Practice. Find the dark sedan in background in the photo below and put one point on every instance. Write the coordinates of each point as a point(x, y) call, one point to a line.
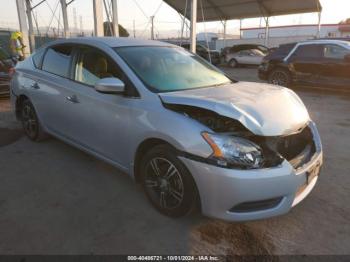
point(317, 62)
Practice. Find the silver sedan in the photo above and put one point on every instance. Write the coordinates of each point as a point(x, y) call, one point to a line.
point(185, 131)
point(245, 57)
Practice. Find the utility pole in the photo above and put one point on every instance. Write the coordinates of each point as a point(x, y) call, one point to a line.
point(81, 25)
point(30, 26)
point(75, 20)
point(133, 26)
point(267, 31)
point(21, 11)
point(240, 28)
point(115, 18)
point(152, 27)
point(65, 18)
point(193, 33)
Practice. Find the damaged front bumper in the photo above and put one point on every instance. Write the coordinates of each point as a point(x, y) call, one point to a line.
point(241, 195)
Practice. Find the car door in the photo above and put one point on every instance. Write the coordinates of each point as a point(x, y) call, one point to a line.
point(243, 57)
point(335, 68)
point(306, 63)
point(47, 86)
point(96, 121)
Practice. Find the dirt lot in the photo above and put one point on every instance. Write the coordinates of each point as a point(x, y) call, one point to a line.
point(55, 199)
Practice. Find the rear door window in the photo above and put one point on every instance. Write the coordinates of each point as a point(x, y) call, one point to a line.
point(335, 52)
point(57, 60)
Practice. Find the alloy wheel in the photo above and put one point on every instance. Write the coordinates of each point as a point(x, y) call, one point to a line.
point(163, 183)
point(279, 78)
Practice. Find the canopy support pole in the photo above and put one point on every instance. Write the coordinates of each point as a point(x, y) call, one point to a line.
point(152, 27)
point(225, 28)
point(267, 31)
point(98, 17)
point(319, 25)
point(65, 18)
point(21, 11)
point(240, 28)
point(193, 33)
point(30, 26)
point(115, 18)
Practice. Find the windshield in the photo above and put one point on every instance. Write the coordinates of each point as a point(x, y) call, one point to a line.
point(166, 69)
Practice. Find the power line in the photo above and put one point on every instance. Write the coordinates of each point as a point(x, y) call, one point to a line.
point(139, 7)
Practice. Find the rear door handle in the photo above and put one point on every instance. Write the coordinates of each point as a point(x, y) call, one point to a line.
point(35, 85)
point(72, 98)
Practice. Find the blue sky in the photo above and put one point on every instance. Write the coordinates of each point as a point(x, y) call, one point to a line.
point(166, 18)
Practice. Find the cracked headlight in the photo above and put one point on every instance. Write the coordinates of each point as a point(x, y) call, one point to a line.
point(234, 151)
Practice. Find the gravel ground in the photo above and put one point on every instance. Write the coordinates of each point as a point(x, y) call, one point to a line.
point(55, 199)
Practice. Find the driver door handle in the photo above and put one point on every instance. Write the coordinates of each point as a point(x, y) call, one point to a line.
point(72, 98)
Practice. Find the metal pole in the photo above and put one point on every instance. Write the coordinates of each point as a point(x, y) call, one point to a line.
point(240, 28)
point(65, 18)
point(267, 29)
point(193, 33)
point(319, 25)
point(133, 26)
point(152, 27)
point(98, 17)
point(23, 24)
point(225, 25)
point(30, 26)
point(115, 18)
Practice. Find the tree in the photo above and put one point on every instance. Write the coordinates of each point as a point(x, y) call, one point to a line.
point(345, 22)
point(107, 26)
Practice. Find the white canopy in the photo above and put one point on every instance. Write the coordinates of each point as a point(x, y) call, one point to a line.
point(216, 10)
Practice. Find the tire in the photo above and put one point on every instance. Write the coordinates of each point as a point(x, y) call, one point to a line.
point(167, 183)
point(233, 63)
point(30, 122)
point(280, 76)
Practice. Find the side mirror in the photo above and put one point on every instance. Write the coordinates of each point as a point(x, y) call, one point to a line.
point(110, 85)
point(347, 58)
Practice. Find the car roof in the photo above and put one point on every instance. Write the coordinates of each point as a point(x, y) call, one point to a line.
point(110, 41)
point(322, 41)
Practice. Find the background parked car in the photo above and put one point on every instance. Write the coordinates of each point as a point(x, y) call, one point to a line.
point(245, 57)
point(7, 65)
point(322, 62)
point(237, 48)
point(204, 52)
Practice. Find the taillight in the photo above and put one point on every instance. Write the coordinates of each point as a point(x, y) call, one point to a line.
point(12, 71)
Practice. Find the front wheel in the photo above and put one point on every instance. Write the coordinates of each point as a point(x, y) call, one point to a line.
point(280, 77)
point(233, 63)
point(167, 183)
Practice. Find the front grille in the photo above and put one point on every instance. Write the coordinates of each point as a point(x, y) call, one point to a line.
point(256, 205)
point(298, 148)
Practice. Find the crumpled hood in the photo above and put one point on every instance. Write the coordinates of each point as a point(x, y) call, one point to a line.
point(264, 109)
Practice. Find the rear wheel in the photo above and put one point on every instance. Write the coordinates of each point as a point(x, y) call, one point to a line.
point(30, 122)
point(233, 63)
point(280, 77)
point(167, 183)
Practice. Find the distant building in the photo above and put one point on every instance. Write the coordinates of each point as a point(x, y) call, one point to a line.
point(327, 30)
